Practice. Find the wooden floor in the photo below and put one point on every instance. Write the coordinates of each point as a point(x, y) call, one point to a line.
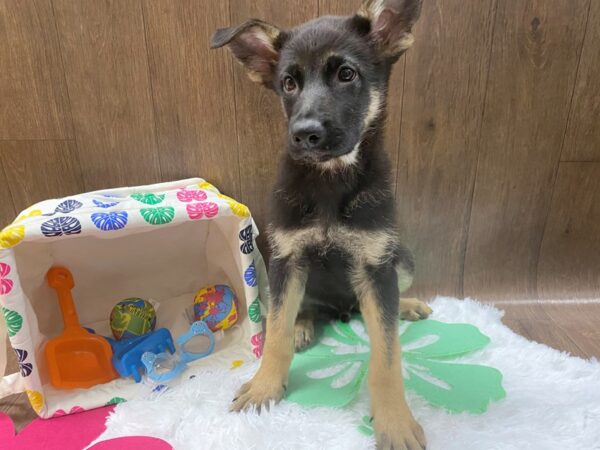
point(571, 327)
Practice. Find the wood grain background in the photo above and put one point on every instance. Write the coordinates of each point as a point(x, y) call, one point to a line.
point(493, 127)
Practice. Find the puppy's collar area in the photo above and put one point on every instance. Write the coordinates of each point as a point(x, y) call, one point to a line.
point(341, 162)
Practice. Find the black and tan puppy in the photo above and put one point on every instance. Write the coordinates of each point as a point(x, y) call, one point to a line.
point(333, 231)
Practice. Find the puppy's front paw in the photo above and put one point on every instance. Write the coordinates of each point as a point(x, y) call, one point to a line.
point(258, 392)
point(398, 430)
point(414, 309)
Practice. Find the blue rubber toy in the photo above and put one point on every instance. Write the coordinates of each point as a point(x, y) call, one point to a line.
point(127, 353)
point(156, 362)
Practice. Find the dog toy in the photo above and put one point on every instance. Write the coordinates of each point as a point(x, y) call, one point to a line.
point(76, 358)
point(164, 367)
point(132, 317)
point(217, 306)
point(127, 353)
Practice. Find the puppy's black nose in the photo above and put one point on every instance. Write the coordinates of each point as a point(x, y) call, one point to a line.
point(308, 134)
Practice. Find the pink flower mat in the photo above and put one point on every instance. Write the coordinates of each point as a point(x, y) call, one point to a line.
point(72, 432)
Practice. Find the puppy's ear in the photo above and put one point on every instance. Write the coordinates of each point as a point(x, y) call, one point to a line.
point(255, 44)
point(391, 24)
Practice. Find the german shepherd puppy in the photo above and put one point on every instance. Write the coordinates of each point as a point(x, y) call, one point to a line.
point(333, 232)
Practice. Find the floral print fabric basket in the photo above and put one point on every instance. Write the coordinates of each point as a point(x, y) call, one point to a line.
point(161, 242)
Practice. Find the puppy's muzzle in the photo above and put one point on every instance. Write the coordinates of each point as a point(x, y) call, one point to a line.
point(307, 134)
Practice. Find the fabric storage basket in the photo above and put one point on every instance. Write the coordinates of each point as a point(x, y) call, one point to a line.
point(162, 242)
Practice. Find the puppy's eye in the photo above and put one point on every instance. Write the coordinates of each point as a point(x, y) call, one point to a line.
point(346, 74)
point(289, 84)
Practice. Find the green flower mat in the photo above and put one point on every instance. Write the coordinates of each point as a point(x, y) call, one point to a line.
point(331, 372)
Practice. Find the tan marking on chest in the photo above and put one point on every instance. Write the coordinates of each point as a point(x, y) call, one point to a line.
point(364, 247)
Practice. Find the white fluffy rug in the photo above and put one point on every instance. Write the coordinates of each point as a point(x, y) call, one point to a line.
point(552, 402)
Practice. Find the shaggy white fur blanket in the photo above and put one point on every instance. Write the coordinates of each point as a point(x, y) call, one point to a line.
point(552, 402)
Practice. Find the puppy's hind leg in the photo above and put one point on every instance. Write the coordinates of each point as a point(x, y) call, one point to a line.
point(414, 309)
point(410, 308)
point(304, 330)
point(287, 284)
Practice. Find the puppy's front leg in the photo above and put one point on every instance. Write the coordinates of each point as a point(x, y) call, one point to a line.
point(287, 284)
point(394, 424)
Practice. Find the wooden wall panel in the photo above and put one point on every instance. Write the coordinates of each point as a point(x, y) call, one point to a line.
point(259, 116)
point(193, 92)
point(582, 141)
point(535, 52)
point(569, 264)
point(106, 69)
point(481, 110)
point(444, 87)
point(33, 97)
point(338, 7)
point(7, 207)
point(38, 170)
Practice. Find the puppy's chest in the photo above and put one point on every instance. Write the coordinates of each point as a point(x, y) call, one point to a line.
point(335, 213)
point(359, 225)
point(359, 246)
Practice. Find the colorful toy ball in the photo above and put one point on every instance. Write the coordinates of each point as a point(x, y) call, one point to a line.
point(132, 317)
point(217, 306)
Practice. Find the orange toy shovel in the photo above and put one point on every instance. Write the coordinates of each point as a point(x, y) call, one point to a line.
point(76, 358)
